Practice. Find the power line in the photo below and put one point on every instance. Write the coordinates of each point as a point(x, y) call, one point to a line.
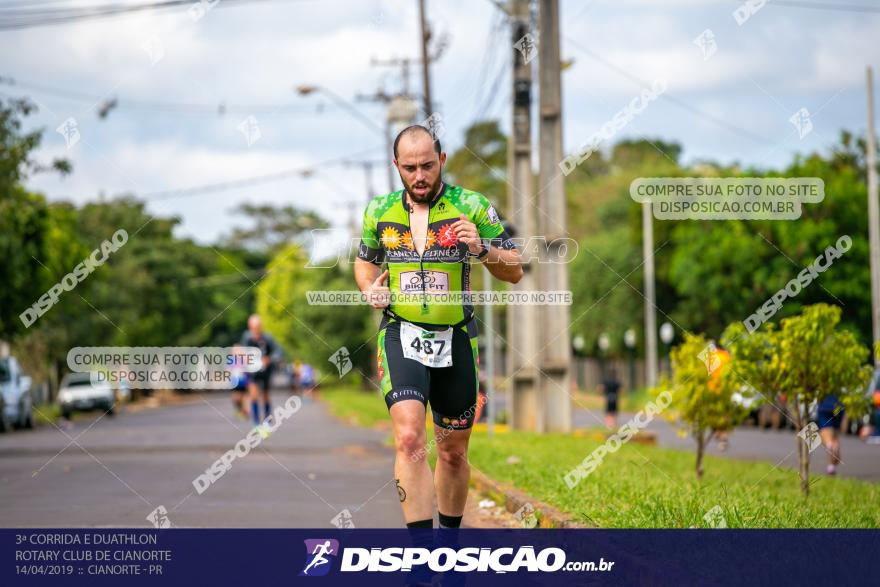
point(823, 6)
point(16, 19)
point(180, 107)
point(303, 171)
point(680, 103)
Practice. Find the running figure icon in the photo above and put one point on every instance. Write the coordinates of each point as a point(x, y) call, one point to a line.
point(319, 552)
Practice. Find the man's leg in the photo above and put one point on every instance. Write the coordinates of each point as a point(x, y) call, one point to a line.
point(415, 487)
point(452, 473)
point(253, 396)
point(829, 440)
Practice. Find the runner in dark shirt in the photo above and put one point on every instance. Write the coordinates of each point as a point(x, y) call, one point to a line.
point(258, 383)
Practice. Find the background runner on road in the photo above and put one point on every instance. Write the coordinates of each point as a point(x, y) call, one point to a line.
point(258, 383)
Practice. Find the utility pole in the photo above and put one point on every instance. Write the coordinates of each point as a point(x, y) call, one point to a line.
point(490, 359)
point(426, 60)
point(650, 305)
point(555, 341)
point(873, 213)
point(399, 109)
point(526, 408)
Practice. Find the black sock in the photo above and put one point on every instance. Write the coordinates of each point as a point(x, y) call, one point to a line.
point(449, 521)
point(429, 523)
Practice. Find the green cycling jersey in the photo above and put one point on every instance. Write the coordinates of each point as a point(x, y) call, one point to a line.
point(444, 265)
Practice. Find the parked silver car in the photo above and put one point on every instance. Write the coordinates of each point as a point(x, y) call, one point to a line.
point(78, 394)
point(15, 396)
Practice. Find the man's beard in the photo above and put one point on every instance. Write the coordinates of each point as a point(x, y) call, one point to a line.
point(429, 195)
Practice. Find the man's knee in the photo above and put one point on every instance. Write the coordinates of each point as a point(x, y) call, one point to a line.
point(454, 456)
point(410, 442)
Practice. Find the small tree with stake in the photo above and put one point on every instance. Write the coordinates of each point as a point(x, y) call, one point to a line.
point(807, 359)
point(702, 390)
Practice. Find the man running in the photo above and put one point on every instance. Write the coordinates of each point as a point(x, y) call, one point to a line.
point(239, 390)
point(427, 234)
point(259, 382)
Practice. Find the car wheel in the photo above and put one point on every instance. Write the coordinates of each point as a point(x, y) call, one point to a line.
point(29, 420)
point(4, 423)
point(66, 414)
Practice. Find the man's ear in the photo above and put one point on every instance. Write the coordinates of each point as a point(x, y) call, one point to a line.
point(442, 157)
point(395, 164)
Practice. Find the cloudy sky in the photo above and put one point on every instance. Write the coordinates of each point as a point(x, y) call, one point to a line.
point(728, 99)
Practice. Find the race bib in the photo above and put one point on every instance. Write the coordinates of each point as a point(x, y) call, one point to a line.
point(428, 347)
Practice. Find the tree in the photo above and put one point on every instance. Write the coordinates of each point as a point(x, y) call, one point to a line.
point(702, 393)
point(808, 359)
point(273, 226)
point(481, 164)
point(24, 218)
point(310, 332)
point(603, 302)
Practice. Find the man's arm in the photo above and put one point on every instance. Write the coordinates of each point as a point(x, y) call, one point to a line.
point(504, 264)
point(371, 282)
point(275, 352)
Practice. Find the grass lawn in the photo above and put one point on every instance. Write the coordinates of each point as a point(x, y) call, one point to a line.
point(356, 406)
point(648, 487)
point(46, 414)
point(629, 401)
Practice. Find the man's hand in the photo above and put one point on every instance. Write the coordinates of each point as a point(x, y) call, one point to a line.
point(466, 231)
point(379, 294)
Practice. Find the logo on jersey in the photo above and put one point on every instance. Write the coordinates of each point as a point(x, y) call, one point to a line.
point(448, 238)
point(433, 281)
point(493, 215)
point(320, 554)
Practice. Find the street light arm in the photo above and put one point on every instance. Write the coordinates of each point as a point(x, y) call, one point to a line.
point(305, 90)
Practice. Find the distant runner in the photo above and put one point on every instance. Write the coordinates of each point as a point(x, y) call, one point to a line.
point(259, 382)
point(829, 418)
point(426, 236)
point(240, 387)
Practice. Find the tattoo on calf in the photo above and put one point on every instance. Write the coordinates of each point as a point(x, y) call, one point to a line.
point(401, 493)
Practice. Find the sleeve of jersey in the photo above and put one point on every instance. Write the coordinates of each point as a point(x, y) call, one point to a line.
point(490, 227)
point(370, 249)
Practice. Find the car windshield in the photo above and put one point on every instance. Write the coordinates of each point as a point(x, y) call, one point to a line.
point(77, 381)
point(4, 370)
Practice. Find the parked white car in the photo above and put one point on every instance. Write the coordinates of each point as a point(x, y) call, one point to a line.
point(15, 396)
point(78, 394)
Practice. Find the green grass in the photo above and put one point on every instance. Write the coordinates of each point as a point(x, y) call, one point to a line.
point(648, 487)
point(629, 401)
point(46, 414)
point(357, 406)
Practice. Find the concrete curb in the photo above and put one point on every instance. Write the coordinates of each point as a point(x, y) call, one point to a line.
point(513, 499)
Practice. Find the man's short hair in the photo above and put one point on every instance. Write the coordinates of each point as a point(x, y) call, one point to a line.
point(416, 129)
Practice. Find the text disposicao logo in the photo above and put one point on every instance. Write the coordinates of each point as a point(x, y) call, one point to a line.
point(320, 554)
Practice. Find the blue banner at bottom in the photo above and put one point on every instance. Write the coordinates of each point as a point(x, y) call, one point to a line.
point(440, 557)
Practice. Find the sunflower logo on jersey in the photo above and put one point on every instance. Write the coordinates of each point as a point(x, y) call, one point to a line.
point(407, 241)
point(390, 238)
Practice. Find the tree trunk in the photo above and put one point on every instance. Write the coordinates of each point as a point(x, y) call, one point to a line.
point(803, 450)
point(700, 449)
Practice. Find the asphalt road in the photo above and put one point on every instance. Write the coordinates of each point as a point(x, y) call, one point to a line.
point(115, 471)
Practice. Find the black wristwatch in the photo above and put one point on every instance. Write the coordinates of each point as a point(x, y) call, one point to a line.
point(482, 254)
